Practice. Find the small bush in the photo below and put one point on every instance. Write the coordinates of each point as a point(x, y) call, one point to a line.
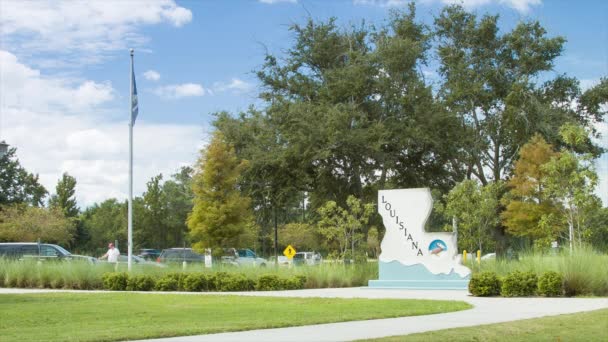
point(519, 284)
point(113, 281)
point(273, 282)
point(293, 283)
point(269, 282)
point(195, 282)
point(167, 283)
point(234, 282)
point(484, 284)
point(140, 283)
point(171, 282)
point(550, 284)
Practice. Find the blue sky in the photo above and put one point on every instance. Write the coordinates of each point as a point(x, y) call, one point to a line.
point(65, 73)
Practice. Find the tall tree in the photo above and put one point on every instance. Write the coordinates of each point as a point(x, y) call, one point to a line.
point(528, 206)
point(106, 222)
point(344, 227)
point(65, 196)
point(475, 207)
point(571, 182)
point(153, 228)
point(221, 215)
point(492, 81)
point(273, 179)
point(16, 184)
point(178, 203)
point(353, 108)
point(65, 200)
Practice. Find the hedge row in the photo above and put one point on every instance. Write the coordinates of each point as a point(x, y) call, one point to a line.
point(517, 284)
point(197, 282)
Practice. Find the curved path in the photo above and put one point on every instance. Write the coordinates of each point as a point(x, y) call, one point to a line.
point(485, 311)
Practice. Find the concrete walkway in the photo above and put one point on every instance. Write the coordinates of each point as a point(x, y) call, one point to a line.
point(485, 311)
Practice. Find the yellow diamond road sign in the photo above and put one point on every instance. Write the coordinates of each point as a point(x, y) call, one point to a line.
point(289, 252)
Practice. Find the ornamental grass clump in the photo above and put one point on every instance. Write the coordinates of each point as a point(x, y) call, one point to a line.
point(585, 273)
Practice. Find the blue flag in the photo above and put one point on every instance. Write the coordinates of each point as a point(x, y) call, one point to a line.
point(134, 106)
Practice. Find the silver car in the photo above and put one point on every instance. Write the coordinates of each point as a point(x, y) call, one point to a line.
point(307, 258)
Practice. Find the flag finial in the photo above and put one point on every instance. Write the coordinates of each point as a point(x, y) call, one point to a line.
point(131, 50)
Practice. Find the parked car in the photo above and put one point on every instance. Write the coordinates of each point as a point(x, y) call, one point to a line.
point(83, 258)
point(307, 258)
point(247, 257)
point(283, 260)
point(33, 250)
point(178, 255)
point(242, 258)
point(149, 254)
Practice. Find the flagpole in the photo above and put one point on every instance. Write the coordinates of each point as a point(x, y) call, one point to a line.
point(130, 209)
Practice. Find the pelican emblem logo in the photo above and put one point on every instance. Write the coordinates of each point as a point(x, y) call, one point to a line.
point(437, 247)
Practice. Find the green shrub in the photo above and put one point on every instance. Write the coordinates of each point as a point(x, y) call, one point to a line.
point(116, 281)
point(269, 282)
point(234, 282)
point(171, 282)
point(272, 282)
point(550, 284)
point(484, 284)
point(140, 283)
point(519, 284)
point(195, 282)
point(215, 280)
point(293, 283)
point(168, 282)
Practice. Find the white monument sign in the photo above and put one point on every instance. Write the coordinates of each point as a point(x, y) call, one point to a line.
point(412, 257)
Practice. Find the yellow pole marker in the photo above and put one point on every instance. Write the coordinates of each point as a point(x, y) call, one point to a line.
point(478, 256)
point(464, 256)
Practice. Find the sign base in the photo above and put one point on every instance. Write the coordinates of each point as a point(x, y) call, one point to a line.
point(416, 277)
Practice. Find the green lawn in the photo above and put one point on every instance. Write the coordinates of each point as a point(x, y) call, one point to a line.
point(587, 326)
point(119, 316)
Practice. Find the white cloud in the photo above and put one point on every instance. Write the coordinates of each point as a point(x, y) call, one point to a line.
point(270, 2)
point(25, 88)
point(522, 6)
point(60, 125)
point(177, 91)
point(92, 28)
point(152, 75)
point(382, 3)
point(236, 85)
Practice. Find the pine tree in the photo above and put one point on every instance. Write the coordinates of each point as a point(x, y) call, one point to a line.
point(65, 198)
point(528, 205)
point(221, 215)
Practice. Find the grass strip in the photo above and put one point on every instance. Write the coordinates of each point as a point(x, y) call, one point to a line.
point(586, 326)
point(121, 316)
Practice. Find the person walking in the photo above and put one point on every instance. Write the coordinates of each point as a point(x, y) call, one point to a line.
point(112, 254)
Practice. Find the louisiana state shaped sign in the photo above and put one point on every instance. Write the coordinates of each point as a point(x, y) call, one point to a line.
point(410, 256)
